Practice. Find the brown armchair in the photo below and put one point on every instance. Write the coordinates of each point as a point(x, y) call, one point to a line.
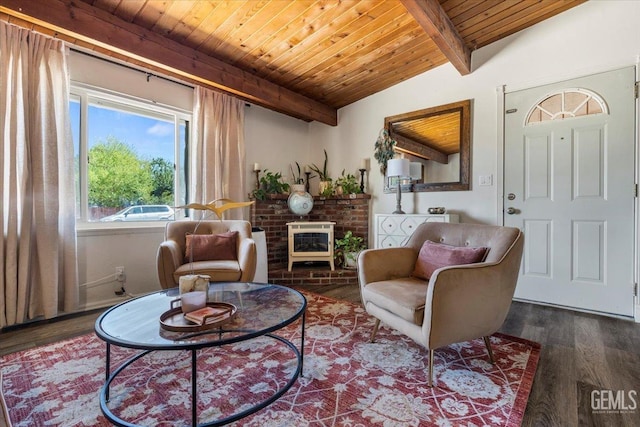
point(171, 253)
point(458, 303)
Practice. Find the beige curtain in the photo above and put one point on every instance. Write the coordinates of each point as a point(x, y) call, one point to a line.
point(38, 273)
point(218, 154)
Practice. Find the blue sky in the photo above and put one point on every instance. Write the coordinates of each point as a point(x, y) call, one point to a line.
point(149, 137)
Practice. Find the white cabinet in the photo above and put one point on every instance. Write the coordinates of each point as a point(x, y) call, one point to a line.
point(394, 230)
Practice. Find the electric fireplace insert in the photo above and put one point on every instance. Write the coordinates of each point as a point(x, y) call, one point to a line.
point(310, 241)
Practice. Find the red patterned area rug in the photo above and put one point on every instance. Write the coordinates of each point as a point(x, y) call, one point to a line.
point(347, 380)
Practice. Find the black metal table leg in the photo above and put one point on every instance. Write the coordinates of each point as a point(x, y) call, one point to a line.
point(108, 368)
point(194, 389)
point(304, 316)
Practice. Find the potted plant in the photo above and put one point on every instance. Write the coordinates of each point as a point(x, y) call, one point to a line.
point(348, 248)
point(347, 184)
point(270, 183)
point(325, 188)
point(384, 149)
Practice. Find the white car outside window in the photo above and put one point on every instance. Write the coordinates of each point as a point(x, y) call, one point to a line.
point(141, 213)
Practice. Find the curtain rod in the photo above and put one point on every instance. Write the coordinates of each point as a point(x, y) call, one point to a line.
point(147, 73)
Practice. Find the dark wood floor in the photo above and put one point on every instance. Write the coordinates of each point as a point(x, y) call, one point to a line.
point(580, 353)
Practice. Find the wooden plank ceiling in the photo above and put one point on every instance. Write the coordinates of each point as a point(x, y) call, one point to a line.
point(305, 58)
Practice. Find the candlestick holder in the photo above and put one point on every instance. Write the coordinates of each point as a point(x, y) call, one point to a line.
point(362, 171)
point(306, 185)
point(257, 172)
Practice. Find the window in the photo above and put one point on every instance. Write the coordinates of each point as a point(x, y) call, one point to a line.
point(130, 157)
point(567, 104)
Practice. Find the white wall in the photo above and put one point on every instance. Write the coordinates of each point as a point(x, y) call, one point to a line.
point(275, 141)
point(100, 250)
point(593, 37)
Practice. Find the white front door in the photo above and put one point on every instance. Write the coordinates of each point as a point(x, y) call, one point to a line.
point(569, 185)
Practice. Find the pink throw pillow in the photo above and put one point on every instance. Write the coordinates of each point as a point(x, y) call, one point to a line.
point(212, 247)
point(433, 256)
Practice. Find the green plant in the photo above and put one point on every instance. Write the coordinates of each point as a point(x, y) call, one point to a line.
point(349, 183)
point(384, 149)
point(270, 183)
point(349, 243)
point(326, 189)
point(324, 173)
point(348, 247)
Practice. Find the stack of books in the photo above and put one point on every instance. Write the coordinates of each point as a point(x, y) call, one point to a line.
point(208, 315)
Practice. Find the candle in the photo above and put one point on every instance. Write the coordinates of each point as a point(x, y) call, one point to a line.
point(306, 169)
point(363, 164)
point(256, 167)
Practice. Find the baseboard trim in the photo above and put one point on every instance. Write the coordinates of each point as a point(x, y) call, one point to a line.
point(580, 310)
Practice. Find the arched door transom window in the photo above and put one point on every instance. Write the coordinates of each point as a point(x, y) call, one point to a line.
point(569, 103)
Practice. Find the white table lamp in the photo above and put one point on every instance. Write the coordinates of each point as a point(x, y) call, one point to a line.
point(399, 168)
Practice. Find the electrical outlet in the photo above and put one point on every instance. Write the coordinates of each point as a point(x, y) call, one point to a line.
point(120, 274)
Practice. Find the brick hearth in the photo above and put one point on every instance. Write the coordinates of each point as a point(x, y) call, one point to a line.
point(311, 274)
point(349, 212)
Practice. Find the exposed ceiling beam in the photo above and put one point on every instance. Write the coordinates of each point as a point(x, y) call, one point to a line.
point(434, 20)
point(420, 150)
point(99, 28)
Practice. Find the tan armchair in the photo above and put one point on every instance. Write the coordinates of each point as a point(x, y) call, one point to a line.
point(458, 303)
point(171, 253)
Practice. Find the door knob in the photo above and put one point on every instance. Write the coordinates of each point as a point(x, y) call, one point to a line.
point(511, 211)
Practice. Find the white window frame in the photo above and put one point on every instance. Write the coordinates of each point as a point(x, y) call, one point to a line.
point(83, 92)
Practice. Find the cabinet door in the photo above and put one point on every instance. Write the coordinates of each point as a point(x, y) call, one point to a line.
point(391, 241)
point(387, 224)
point(409, 224)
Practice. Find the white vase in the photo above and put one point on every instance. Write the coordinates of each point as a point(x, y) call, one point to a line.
point(350, 260)
point(300, 202)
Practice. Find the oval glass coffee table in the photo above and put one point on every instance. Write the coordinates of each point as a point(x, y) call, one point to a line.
point(262, 309)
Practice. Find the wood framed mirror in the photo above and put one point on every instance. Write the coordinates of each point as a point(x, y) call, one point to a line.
point(437, 141)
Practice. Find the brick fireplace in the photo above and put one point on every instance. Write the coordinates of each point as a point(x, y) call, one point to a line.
point(349, 212)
